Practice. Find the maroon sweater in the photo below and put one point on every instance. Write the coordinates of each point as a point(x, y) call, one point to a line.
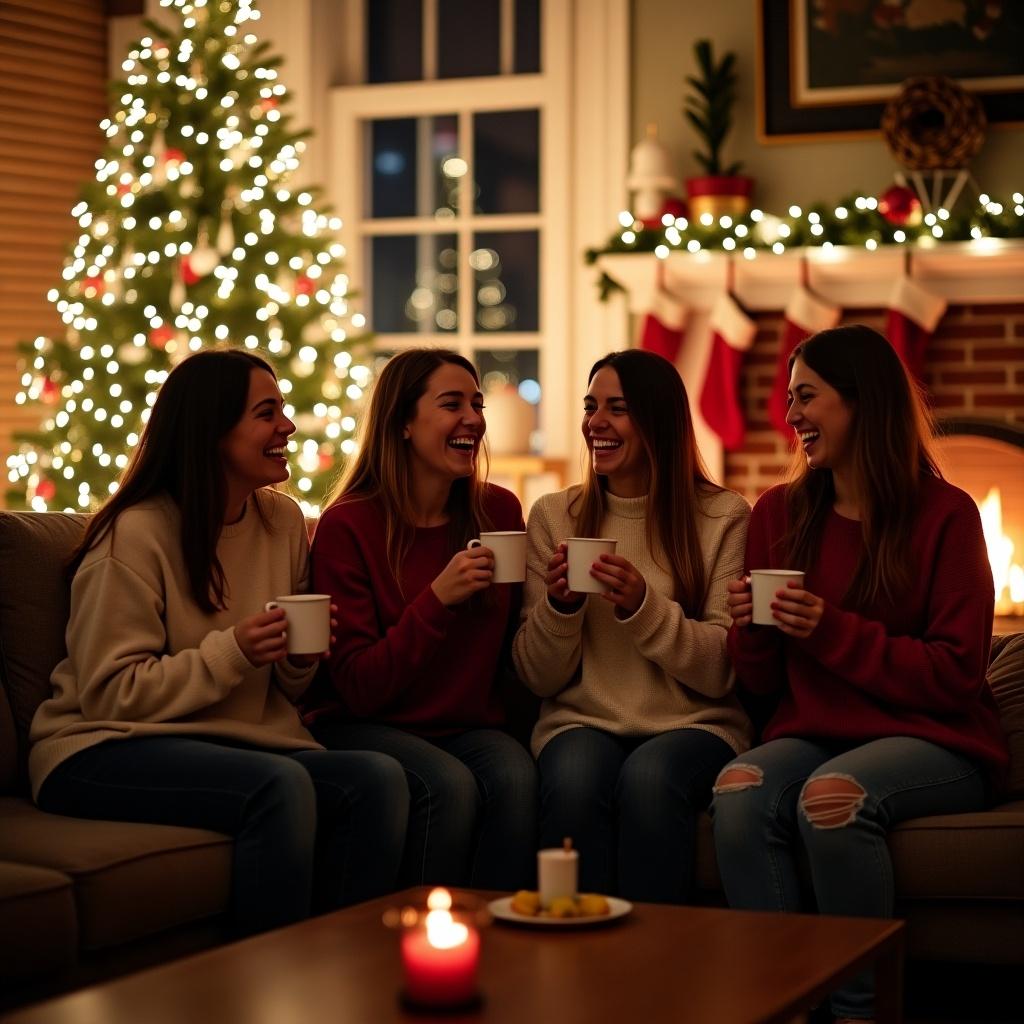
point(402, 658)
point(916, 668)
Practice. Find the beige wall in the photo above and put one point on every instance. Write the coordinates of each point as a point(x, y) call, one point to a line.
point(786, 173)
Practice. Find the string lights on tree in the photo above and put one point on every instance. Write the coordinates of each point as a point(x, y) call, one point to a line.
point(190, 236)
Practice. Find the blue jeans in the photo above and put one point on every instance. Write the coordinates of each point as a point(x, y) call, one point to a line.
point(343, 813)
point(473, 817)
point(847, 798)
point(630, 806)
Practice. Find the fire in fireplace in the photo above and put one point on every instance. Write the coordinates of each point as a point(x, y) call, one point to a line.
point(986, 459)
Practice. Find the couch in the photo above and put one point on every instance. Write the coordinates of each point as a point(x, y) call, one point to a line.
point(81, 900)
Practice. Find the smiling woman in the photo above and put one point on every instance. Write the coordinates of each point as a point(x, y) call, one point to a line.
point(175, 703)
point(424, 632)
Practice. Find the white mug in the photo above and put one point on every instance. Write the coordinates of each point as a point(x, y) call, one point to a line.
point(763, 584)
point(557, 873)
point(583, 552)
point(309, 621)
point(509, 547)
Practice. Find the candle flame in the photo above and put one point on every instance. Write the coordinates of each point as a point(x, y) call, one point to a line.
point(443, 932)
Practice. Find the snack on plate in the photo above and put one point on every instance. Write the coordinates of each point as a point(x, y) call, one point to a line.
point(527, 903)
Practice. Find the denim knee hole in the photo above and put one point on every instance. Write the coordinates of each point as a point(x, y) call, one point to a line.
point(832, 801)
point(736, 777)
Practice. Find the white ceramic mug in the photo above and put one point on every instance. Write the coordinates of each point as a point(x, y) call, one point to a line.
point(557, 874)
point(509, 547)
point(763, 585)
point(583, 552)
point(309, 621)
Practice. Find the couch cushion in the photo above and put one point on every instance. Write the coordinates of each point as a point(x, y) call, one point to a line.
point(34, 596)
point(39, 934)
point(1006, 679)
point(130, 880)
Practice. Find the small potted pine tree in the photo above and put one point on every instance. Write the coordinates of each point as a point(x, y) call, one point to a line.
point(721, 189)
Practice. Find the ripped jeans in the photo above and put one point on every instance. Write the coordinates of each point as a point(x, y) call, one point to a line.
point(837, 802)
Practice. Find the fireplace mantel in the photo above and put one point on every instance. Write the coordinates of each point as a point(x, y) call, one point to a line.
point(986, 271)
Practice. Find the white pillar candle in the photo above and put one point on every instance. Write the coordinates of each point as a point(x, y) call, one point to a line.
point(557, 872)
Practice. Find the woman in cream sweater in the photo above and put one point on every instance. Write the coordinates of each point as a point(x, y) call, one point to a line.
point(638, 714)
point(175, 702)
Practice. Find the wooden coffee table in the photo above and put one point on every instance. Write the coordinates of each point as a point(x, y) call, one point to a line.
point(657, 964)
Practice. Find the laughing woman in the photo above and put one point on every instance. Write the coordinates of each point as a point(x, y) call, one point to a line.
point(423, 633)
point(878, 660)
point(638, 714)
point(175, 702)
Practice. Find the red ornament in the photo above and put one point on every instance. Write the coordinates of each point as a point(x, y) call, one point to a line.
point(675, 206)
point(46, 489)
point(159, 336)
point(268, 103)
point(49, 393)
point(899, 205)
point(188, 275)
point(123, 187)
point(93, 286)
point(304, 285)
point(173, 156)
point(326, 461)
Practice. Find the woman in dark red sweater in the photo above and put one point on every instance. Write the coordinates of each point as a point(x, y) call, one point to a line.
point(422, 630)
point(877, 662)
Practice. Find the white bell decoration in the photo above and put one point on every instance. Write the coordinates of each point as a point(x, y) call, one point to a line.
point(650, 176)
point(225, 234)
point(203, 259)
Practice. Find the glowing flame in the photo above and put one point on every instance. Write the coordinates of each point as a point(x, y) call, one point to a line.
point(442, 931)
point(1007, 574)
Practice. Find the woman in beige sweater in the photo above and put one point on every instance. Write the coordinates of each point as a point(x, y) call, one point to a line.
point(639, 713)
point(175, 702)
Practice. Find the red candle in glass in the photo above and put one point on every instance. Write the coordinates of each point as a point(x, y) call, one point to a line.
point(440, 956)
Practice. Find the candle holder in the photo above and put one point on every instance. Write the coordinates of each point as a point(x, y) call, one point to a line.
point(439, 943)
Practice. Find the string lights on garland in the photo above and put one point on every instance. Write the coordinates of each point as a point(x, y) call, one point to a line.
point(191, 235)
point(894, 218)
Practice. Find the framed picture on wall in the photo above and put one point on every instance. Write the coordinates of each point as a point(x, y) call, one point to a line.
point(828, 67)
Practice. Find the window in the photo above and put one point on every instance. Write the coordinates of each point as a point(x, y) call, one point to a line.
point(451, 167)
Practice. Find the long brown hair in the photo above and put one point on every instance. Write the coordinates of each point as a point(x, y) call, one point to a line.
point(381, 470)
point(891, 435)
point(659, 410)
point(179, 455)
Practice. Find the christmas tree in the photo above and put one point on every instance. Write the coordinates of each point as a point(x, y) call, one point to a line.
point(190, 236)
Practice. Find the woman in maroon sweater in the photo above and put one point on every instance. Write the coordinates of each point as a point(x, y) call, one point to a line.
point(423, 632)
point(877, 663)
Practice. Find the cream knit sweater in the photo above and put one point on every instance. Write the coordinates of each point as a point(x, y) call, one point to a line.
point(144, 660)
point(655, 671)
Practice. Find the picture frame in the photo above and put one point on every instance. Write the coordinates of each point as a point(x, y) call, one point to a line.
point(827, 69)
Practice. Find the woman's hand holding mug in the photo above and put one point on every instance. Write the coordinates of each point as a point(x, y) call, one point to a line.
point(262, 638)
point(468, 571)
point(740, 601)
point(557, 581)
point(626, 586)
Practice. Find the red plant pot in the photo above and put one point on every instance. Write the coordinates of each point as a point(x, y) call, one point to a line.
point(719, 195)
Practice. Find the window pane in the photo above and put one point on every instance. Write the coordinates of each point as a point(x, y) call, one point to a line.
point(467, 38)
point(414, 283)
point(394, 40)
point(410, 174)
point(510, 382)
point(505, 266)
point(506, 161)
point(527, 36)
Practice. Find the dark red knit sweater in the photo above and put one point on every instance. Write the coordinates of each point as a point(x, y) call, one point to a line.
point(401, 657)
point(916, 668)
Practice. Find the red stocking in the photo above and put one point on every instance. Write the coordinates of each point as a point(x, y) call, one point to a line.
point(663, 326)
point(732, 333)
point(914, 313)
point(805, 315)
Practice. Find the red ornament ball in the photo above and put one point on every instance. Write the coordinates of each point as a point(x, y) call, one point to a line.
point(675, 206)
point(899, 205)
point(268, 103)
point(173, 156)
point(123, 187)
point(304, 285)
point(188, 275)
point(159, 336)
point(49, 393)
point(93, 286)
point(326, 461)
point(46, 489)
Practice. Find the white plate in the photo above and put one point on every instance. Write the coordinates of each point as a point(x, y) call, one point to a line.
point(502, 910)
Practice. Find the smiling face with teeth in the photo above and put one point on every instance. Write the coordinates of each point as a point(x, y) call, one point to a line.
point(445, 432)
point(254, 452)
point(821, 417)
point(616, 447)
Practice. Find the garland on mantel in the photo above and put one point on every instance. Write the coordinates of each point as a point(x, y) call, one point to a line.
point(857, 220)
